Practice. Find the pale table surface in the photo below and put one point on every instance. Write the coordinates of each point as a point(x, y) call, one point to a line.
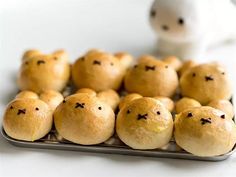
point(77, 26)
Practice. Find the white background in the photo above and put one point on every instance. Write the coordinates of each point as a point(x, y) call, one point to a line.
point(78, 26)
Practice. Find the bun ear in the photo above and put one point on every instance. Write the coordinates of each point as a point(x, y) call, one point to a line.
point(52, 98)
point(61, 54)
point(26, 94)
point(110, 97)
point(125, 59)
point(30, 53)
point(87, 90)
point(128, 98)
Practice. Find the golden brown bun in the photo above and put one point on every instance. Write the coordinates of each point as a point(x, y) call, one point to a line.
point(173, 61)
point(40, 72)
point(167, 102)
point(129, 98)
point(185, 103)
point(27, 94)
point(99, 71)
point(27, 119)
point(203, 131)
point(52, 98)
point(110, 97)
point(84, 119)
point(125, 59)
point(151, 77)
point(186, 65)
point(206, 82)
point(223, 105)
point(144, 124)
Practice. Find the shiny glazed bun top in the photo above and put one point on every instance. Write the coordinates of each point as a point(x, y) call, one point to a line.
point(100, 70)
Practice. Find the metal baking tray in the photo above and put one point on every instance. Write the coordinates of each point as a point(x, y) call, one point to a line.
point(112, 146)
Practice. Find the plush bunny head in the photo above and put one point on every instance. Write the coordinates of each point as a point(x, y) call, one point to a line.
point(177, 20)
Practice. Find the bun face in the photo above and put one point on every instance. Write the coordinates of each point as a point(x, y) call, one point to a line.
point(205, 131)
point(27, 119)
point(84, 119)
point(99, 71)
point(151, 77)
point(44, 72)
point(144, 124)
point(205, 83)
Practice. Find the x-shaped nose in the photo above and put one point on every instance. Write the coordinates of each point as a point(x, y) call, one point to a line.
point(140, 116)
point(21, 111)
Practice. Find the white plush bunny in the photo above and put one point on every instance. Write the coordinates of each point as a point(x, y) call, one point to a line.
point(186, 28)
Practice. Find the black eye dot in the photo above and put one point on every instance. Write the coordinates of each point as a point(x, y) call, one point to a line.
point(223, 73)
point(190, 114)
point(194, 74)
point(181, 21)
point(153, 13)
point(158, 112)
point(100, 108)
point(55, 58)
point(112, 64)
point(37, 109)
point(166, 66)
point(128, 111)
point(135, 66)
point(26, 62)
point(11, 107)
point(222, 116)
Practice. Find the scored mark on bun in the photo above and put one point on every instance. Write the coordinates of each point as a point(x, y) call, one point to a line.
point(135, 66)
point(79, 105)
point(128, 111)
point(64, 101)
point(205, 121)
point(11, 107)
point(140, 116)
point(39, 62)
point(147, 68)
point(96, 62)
point(21, 111)
point(209, 78)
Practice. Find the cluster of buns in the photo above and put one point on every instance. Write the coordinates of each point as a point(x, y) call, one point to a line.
point(140, 115)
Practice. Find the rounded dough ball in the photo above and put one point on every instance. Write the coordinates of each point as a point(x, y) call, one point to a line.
point(151, 77)
point(223, 105)
point(173, 61)
point(52, 98)
point(128, 99)
point(110, 97)
point(44, 72)
point(203, 132)
point(144, 124)
point(206, 82)
point(185, 103)
point(84, 119)
point(26, 94)
point(99, 71)
point(167, 102)
point(27, 119)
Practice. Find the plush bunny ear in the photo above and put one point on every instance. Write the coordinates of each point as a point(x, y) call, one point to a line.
point(110, 97)
point(128, 99)
point(61, 54)
point(125, 59)
point(26, 94)
point(52, 98)
point(30, 53)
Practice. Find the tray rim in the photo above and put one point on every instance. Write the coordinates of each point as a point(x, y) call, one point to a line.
point(114, 150)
